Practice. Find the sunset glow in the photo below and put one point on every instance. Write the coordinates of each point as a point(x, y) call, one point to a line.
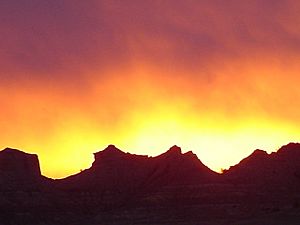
point(218, 79)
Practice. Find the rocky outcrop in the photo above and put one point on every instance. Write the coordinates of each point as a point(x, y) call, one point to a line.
point(175, 168)
point(18, 170)
point(115, 170)
point(112, 171)
point(172, 188)
point(276, 170)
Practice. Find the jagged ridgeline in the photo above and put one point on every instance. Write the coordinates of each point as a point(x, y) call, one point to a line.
point(172, 188)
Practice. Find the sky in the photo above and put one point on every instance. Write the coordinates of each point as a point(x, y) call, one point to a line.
point(220, 78)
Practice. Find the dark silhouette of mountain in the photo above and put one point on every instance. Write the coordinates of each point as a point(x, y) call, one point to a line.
point(18, 170)
point(110, 171)
point(172, 188)
point(175, 168)
point(115, 170)
point(278, 169)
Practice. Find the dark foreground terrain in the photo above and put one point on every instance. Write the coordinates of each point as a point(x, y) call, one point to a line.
point(173, 188)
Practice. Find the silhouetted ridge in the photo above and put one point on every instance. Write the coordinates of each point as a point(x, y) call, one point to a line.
point(112, 150)
point(115, 170)
point(278, 168)
point(174, 168)
point(174, 150)
point(290, 146)
point(8, 150)
point(14, 160)
point(257, 158)
point(18, 169)
point(173, 153)
point(290, 150)
point(259, 153)
point(172, 188)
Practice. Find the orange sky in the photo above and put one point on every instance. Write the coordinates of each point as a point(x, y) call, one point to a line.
point(219, 79)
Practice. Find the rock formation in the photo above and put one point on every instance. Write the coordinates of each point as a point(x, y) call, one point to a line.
point(278, 169)
point(18, 170)
point(172, 188)
point(119, 171)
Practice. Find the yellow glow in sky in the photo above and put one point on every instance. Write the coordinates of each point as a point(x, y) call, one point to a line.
point(220, 78)
point(146, 113)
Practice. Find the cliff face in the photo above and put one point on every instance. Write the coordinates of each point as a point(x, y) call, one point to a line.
point(18, 170)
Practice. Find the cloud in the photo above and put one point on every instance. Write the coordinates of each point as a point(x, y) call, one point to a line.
point(49, 37)
point(79, 46)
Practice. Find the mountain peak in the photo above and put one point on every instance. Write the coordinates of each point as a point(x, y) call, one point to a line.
point(255, 157)
point(174, 150)
point(289, 147)
point(13, 151)
point(290, 152)
point(10, 149)
point(259, 152)
point(110, 150)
